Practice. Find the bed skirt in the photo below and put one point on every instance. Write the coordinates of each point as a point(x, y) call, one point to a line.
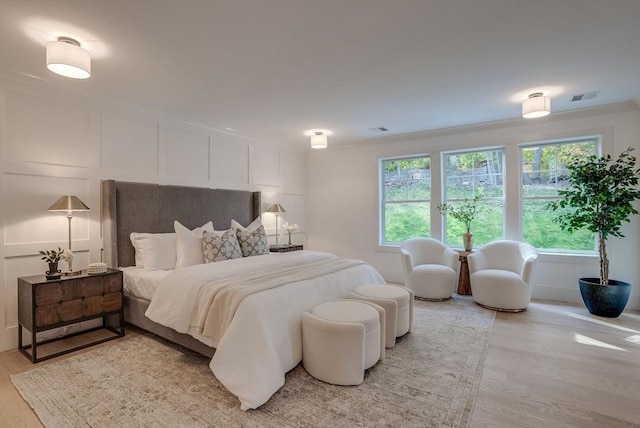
point(134, 310)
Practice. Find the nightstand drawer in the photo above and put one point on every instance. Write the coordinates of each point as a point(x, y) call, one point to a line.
point(48, 294)
point(71, 310)
point(112, 284)
point(47, 315)
point(93, 287)
point(71, 289)
point(112, 302)
point(93, 305)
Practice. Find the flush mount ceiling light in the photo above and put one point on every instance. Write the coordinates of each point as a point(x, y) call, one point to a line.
point(319, 137)
point(537, 105)
point(318, 140)
point(66, 58)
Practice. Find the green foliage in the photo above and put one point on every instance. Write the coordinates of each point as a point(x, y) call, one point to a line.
point(600, 198)
point(492, 220)
point(541, 231)
point(51, 256)
point(406, 220)
point(464, 211)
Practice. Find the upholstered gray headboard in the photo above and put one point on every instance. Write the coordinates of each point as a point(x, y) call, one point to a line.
point(152, 208)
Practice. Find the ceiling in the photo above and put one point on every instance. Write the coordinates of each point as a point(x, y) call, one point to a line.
point(268, 70)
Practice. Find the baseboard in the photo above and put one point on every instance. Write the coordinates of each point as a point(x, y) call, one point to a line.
point(572, 295)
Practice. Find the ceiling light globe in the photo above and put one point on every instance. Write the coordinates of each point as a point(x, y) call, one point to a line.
point(537, 105)
point(68, 59)
point(318, 141)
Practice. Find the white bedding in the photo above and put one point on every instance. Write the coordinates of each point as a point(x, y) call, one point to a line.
point(141, 282)
point(264, 339)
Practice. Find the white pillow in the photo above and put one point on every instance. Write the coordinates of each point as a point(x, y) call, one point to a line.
point(154, 250)
point(252, 227)
point(138, 256)
point(189, 244)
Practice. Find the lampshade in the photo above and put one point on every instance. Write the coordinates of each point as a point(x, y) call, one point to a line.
point(67, 58)
point(318, 141)
point(276, 209)
point(537, 105)
point(69, 205)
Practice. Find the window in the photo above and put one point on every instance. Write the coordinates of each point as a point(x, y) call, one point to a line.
point(405, 192)
point(544, 172)
point(467, 174)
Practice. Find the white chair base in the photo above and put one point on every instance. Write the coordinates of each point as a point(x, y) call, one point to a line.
point(501, 309)
point(427, 299)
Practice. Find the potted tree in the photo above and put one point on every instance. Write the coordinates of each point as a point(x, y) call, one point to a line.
point(464, 212)
point(600, 198)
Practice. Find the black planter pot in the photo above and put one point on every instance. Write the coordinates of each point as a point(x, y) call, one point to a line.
point(604, 300)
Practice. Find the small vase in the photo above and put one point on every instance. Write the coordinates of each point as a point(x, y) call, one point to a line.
point(53, 272)
point(467, 240)
point(289, 238)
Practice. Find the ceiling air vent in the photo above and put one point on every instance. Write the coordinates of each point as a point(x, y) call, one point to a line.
point(585, 96)
point(379, 129)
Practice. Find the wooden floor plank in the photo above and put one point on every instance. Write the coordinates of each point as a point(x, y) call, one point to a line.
point(555, 365)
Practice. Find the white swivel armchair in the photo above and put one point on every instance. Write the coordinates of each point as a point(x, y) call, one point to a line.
point(430, 268)
point(500, 275)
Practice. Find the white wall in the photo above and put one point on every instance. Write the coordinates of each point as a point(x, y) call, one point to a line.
point(59, 143)
point(343, 194)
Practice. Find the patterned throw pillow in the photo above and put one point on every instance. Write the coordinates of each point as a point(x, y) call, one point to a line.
point(253, 243)
point(220, 246)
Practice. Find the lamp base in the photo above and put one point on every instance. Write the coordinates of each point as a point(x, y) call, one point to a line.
point(71, 273)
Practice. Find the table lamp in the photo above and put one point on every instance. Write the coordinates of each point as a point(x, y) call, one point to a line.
point(69, 205)
point(277, 210)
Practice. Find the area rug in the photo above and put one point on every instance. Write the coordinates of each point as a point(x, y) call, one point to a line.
point(429, 379)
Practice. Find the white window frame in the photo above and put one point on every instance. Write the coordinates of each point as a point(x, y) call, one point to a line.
point(382, 193)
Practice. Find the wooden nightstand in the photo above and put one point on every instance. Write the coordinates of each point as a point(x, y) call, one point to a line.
point(284, 248)
point(47, 304)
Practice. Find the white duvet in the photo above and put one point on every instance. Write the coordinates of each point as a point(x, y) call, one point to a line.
point(264, 339)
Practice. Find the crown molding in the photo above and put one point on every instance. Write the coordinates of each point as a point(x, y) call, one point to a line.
point(501, 124)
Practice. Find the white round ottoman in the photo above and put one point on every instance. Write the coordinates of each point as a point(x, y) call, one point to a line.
point(398, 305)
point(341, 339)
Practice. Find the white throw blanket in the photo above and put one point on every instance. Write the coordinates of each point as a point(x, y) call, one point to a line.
point(263, 339)
point(218, 301)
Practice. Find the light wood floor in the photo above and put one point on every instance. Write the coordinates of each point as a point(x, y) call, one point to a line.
point(551, 366)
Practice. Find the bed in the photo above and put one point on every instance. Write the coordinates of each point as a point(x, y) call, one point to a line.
point(259, 339)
